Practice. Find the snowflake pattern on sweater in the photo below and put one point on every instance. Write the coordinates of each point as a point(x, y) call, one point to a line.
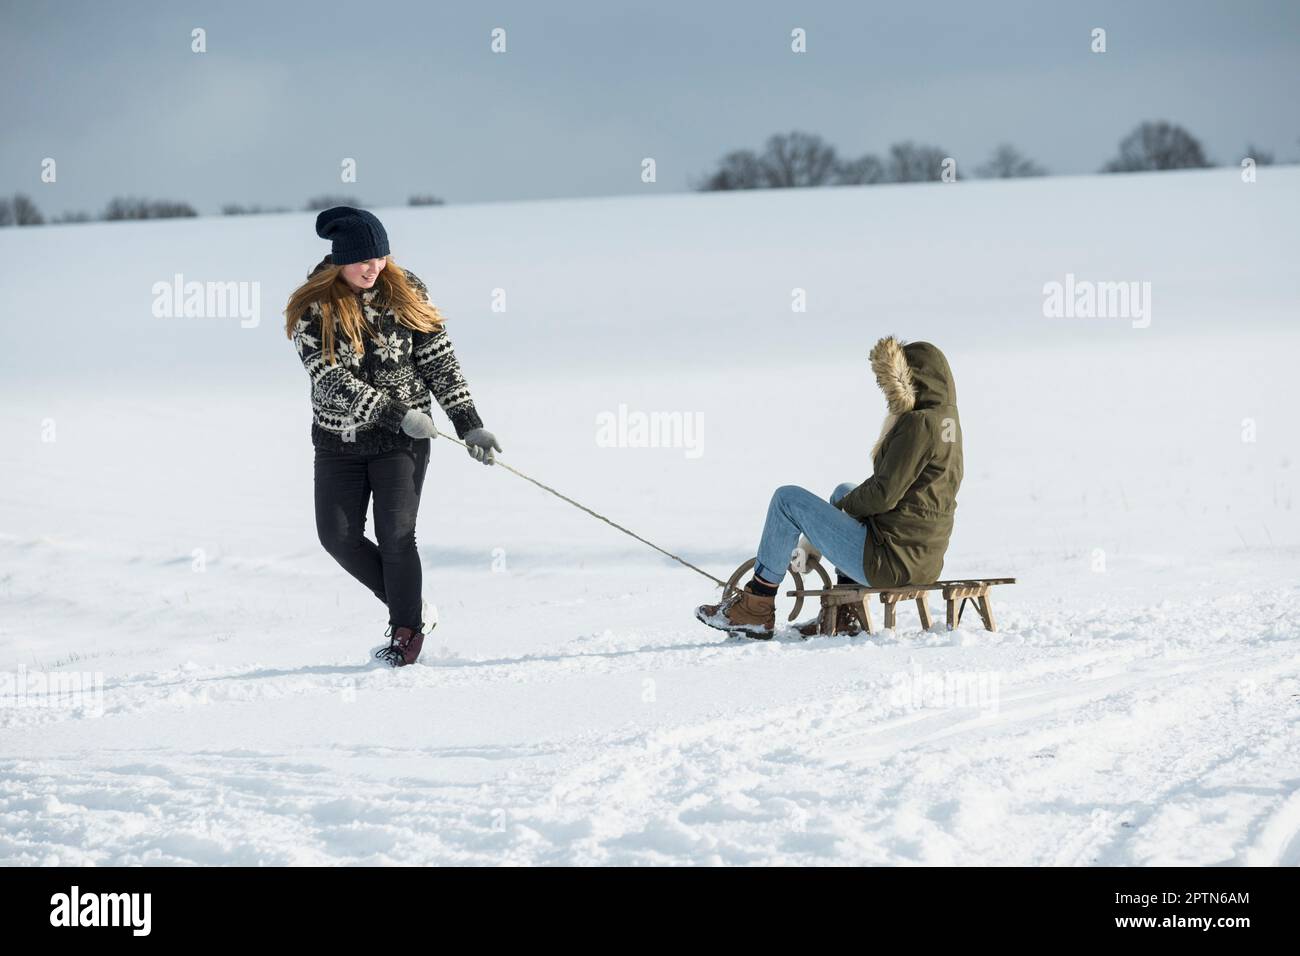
point(358, 402)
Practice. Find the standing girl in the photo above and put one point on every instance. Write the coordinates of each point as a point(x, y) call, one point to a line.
point(377, 355)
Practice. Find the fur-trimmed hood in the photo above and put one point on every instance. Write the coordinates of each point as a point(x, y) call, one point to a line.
point(917, 464)
point(911, 376)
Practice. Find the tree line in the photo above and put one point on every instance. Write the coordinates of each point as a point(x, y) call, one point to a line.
point(20, 210)
point(803, 159)
point(787, 160)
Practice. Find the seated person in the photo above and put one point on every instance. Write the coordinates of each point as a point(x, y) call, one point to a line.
point(889, 531)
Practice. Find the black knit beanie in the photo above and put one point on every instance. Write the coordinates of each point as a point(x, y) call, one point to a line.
point(356, 235)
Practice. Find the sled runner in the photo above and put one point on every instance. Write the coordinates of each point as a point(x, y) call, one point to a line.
point(734, 581)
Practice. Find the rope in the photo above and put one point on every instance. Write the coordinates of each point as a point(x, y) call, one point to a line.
point(581, 507)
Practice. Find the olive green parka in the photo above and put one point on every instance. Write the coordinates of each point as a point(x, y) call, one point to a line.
point(909, 500)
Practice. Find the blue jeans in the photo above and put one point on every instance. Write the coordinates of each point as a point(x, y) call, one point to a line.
point(841, 538)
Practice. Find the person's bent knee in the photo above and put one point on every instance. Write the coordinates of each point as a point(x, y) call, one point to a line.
point(785, 498)
point(398, 542)
point(840, 490)
point(337, 540)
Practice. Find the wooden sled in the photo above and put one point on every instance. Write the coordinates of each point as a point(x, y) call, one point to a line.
point(955, 595)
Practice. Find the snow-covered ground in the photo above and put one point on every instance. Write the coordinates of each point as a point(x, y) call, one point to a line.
point(1138, 704)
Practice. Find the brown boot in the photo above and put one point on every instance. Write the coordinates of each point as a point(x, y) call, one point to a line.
point(745, 613)
point(403, 647)
point(847, 622)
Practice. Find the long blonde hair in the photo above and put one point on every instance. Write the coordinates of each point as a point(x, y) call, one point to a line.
point(327, 288)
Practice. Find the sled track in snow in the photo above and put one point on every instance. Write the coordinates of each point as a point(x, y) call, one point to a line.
point(1031, 643)
point(1121, 735)
point(187, 688)
point(1054, 776)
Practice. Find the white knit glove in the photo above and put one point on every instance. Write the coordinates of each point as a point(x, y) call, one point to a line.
point(803, 556)
point(418, 425)
point(480, 442)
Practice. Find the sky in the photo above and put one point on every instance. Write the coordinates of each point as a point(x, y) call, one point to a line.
point(585, 91)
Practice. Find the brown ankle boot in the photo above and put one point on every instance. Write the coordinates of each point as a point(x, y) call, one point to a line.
point(847, 622)
point(745, 613)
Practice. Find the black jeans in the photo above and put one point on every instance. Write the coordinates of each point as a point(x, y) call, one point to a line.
point(344, 485)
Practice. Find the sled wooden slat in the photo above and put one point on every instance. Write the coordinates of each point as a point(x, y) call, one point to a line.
point(827, 620)
point(936, 586)
point(864, 609)
point(955, 595)
point(923, 609)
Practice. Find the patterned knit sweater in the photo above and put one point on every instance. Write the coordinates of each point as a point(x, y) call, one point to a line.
point(359, 401)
